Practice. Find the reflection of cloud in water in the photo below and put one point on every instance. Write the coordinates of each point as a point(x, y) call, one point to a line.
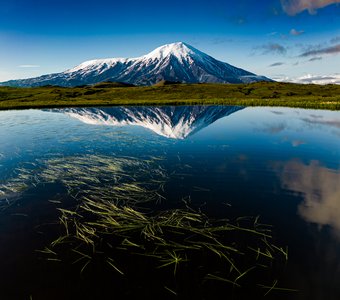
point(297, 143)
point(332, 123)
point(320, 187)
point(277, 112)
point(243, 157)
point(316, 116)
point(294, 143)
point(274, 128)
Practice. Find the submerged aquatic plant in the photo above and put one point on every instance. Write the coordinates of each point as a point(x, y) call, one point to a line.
point(178, 240)
point(114, 224)
point(112, 227)
point(11, 189)
point(100, 175)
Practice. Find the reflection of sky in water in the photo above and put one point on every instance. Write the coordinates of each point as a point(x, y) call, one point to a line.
point(280, 163)
point(233, 149)
point(253, 137)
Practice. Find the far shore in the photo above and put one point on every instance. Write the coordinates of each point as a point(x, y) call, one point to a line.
point(112, 94)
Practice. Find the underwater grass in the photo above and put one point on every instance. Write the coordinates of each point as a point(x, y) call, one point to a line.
point(117, 220)
point(114, 223)
point(176, 241)
point(98, 175)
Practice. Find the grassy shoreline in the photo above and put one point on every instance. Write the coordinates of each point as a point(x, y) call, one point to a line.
point(255, 94)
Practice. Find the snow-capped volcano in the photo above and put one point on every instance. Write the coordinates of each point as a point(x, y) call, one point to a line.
point(173, 62)
point(177, 122)
point(181, 51)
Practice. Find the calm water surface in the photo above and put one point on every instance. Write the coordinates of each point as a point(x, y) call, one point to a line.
point(277, 163)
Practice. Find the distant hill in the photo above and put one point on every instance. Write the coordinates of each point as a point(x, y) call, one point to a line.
point(177, 62)
point(166, 82)
point(110, 84)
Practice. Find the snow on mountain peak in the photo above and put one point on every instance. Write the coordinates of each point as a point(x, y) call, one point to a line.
point(97, 63)
point(179, 50)
point(178, 62)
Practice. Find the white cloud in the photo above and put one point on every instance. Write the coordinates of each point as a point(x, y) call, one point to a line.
point(296, 32)
point(293, 7)
point(28, 66)
point(311, 78)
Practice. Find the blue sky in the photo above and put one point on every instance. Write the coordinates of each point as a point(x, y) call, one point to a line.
point(281, 39)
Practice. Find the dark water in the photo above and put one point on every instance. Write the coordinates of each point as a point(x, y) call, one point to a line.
point(277, 163)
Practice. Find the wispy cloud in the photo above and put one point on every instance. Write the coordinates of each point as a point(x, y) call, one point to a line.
point(315, 58)
point(335, 40)
point(328, 50)
point(28, 66)
point(296, 32)
point(276, 64)
point(293, 7)
point(272, 33)
point(273, 48)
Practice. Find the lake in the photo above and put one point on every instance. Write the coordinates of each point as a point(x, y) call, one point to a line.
point(166, 202)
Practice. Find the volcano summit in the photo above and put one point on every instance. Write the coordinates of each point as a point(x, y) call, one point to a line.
point(178, 62)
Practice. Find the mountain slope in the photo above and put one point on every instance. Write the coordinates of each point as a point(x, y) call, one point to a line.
point(177, 122)
point(173, 62)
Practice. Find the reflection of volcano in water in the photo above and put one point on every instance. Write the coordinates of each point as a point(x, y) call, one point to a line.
point(177, 122)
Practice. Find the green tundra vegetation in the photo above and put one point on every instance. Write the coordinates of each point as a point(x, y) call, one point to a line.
point(165, 93)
